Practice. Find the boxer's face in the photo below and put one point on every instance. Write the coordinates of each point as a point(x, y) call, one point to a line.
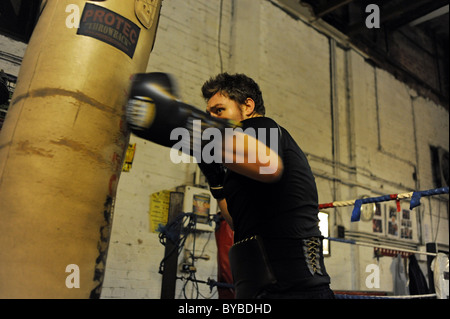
point(221, 106)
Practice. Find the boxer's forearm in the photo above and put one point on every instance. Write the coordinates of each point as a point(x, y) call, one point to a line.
point(252, 158)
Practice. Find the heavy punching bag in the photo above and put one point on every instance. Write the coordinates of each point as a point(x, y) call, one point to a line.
point(63, 142)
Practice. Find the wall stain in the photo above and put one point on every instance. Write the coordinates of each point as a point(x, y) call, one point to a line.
point(27, 148)
point(6, 145)
point(79, 96)
point(82, 149)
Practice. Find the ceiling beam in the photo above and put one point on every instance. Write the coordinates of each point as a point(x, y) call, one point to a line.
point(417, 13)
point(430, 16)
point(331, 6)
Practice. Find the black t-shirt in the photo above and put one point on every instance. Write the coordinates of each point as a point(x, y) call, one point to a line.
point(286, 209)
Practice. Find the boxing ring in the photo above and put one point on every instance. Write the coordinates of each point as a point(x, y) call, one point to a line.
point(354, 296)
point(356, 214)
point(415, 200)
point(384, 250)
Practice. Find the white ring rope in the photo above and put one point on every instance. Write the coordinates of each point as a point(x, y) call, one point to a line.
point(415, 200)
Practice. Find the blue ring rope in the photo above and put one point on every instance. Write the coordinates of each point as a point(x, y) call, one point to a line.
point(415, 200)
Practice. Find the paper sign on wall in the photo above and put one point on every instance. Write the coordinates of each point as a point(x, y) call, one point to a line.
point(159, 209)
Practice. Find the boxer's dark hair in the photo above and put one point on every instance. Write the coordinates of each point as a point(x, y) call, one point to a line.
point(237, 87)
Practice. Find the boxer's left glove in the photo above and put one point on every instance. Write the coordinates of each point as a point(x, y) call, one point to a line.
point(154, 110)
point(215, 175)
point(145, 116)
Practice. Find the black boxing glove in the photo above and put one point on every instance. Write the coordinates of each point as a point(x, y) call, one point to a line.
point(154, 110)
point(215, 175)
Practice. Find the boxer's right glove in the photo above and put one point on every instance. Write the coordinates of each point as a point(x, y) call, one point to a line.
point(215, 175)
